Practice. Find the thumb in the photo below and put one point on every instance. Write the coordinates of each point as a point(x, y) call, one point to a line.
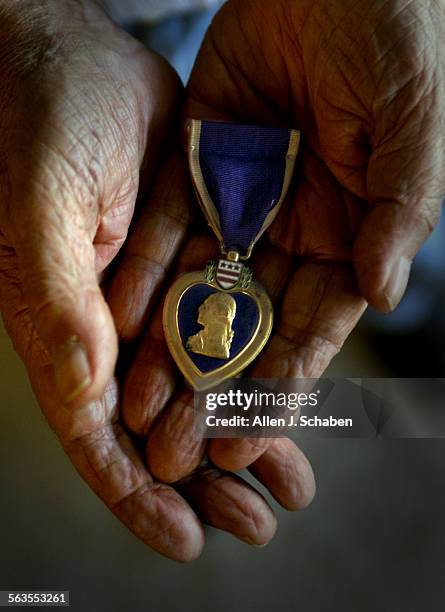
point(389, 238)
point(405, 189)
point(56, 260)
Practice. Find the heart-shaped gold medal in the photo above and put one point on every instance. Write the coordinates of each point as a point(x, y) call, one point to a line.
point(213, 332)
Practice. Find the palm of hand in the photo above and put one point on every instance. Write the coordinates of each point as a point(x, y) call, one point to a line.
point(360, 80)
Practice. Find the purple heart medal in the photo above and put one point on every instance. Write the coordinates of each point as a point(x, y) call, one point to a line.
point(217, 321)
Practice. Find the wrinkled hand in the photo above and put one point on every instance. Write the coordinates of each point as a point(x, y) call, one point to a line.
point(83, 108)
point(364, 81)
point(80, 105)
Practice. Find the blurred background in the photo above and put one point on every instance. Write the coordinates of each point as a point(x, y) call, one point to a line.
point(371, 540)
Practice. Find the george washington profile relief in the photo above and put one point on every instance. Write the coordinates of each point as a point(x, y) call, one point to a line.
point(215, 314)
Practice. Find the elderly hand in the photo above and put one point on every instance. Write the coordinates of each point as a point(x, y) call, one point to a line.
point(364, 81)
point(83, 108)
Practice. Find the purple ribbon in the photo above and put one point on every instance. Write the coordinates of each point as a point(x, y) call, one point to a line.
point(243, 167)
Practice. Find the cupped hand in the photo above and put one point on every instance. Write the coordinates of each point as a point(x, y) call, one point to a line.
point(82, 108)
point(364, 81)
point(84, 111)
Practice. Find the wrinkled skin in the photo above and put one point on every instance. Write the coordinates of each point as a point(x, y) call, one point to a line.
point(364, 81)
point(84, 111)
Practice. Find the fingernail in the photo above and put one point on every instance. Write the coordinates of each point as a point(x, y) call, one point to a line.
point(254, 544)
point(397, 282)
point(72, 369)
